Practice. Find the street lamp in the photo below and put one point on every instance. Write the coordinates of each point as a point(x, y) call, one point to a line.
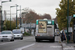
point(20, 16)
point(21, 20)
point(10, 16)
point(67, 18)
point(16, 15)
point(1, 13)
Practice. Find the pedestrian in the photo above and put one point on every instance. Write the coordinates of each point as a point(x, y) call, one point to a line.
point(64, 35)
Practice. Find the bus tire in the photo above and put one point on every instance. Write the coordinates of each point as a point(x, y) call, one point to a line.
point(74, 41)
point(52, 40)
point(37, 40)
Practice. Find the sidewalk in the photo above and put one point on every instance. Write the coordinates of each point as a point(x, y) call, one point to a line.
point(68, 46)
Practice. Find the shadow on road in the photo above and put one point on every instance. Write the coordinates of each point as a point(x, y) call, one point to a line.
point(45, 41)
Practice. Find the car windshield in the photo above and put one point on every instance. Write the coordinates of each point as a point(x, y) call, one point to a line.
point(5, 32)
point(16, 32)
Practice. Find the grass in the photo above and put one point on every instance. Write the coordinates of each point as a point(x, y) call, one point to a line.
point(26, 34)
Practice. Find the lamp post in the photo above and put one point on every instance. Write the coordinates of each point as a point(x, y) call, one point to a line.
point(1, 17)
point(67, 17)
point(21, 20)
point(16, 15)
point(10, 16)
point(20, 16)
point(1, 13)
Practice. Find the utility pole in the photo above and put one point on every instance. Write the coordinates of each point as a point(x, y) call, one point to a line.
point(74, 25)
point(10, 17)
point(1, 13)
point(20, 16)
point(16, 16)
point(1, 18)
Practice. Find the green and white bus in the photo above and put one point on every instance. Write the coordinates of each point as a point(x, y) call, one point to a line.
point(44, 30)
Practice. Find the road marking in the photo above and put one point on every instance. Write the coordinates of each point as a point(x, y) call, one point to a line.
point(13, 41)
point(67, 48)
point(55, 46)
point(5, 43)
point(25, 47)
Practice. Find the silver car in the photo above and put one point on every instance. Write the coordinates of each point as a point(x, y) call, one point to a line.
point(6, 35)
point(18, 34)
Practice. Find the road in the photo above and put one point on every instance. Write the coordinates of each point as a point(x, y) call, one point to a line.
point(28, 43)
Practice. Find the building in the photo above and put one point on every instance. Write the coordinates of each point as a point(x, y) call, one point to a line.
point(28, 26)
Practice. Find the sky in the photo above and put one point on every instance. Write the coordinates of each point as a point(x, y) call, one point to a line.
point(39, 6)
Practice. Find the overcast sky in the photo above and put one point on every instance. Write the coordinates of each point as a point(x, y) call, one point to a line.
point(39, 6)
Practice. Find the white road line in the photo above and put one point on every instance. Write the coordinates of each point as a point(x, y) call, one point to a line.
point(5, 43)
point(55, 46)
point(68, 48)
point(25, 47)
point(12, 42)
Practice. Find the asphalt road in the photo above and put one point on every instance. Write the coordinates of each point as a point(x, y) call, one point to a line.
point(28, 43)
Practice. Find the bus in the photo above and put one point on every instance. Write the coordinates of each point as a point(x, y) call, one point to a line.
point(45, 30)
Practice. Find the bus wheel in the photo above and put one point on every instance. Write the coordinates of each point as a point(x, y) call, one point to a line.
point(74, 41)
point(37, 40)
point(52, 40)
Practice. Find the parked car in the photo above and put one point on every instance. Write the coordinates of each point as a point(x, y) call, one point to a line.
point(6, 35)
point(57, 32)
point(18, 34)
point(22, 29)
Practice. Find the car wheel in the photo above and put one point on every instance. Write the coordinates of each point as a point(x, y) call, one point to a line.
point(1, 40)
point(21, 38)
point(12, 40)
point(37, 40)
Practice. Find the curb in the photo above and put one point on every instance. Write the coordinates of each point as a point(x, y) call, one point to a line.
point(66, 47)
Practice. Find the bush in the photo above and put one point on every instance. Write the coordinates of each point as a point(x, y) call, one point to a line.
point(26, 34)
